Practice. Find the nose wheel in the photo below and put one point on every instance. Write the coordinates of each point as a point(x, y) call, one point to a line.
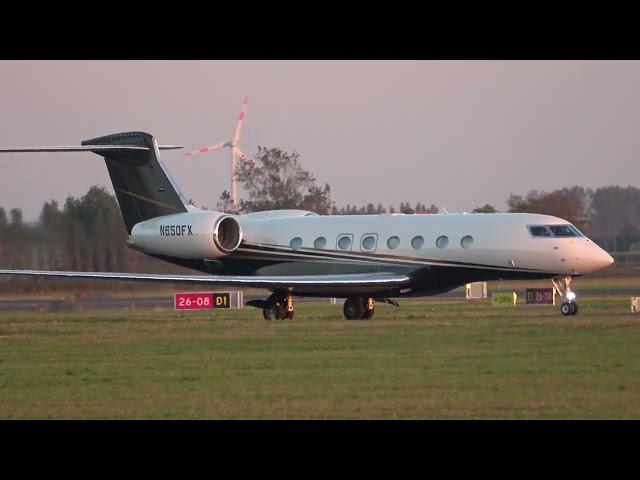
point(569, 305)
point(569, 308)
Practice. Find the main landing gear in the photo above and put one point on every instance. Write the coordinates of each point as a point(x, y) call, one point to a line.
point(562, 285)
point(358, 308)
point(363, 308)
point(278, 306)
point(280, 309)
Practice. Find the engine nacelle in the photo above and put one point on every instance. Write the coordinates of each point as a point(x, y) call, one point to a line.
point(192, 235)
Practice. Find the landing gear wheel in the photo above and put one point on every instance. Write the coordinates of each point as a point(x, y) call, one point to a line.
point(568, 308)
point(281, 311)
point(278, 306)
point(575, 308)
point(269, 313)
point(353, 308)
point(368, 314)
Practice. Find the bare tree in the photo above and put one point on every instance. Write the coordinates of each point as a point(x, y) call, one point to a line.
point(276, 180)
point(572, 204)
point(615, 216)
point(486, 208)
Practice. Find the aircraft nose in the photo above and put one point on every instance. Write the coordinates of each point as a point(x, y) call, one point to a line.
point(600, 259)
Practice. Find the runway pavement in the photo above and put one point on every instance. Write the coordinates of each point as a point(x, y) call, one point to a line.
point(25, 305)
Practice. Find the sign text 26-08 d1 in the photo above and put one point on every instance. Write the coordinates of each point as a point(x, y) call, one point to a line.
point(200, 300)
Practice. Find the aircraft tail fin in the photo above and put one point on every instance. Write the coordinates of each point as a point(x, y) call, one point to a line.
point(143, 186)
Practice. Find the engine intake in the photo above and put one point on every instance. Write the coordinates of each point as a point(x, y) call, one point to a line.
point(227, 234)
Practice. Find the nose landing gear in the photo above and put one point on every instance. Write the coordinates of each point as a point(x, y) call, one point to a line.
point(569, 305)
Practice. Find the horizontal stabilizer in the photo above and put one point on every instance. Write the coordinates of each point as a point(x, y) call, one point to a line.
point(86, 148)
point(143, 187)
point(369, 280)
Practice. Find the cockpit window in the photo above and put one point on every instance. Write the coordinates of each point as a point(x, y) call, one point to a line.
point(540, 231)
point(554, 231)
point(562, 231)
point(576, 231)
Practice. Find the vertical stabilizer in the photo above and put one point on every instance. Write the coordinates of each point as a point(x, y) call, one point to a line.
point(143, 187)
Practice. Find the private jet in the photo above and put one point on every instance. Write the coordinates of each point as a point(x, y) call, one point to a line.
point(362, 258)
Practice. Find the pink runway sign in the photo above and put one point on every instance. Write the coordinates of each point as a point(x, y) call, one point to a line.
point(200, 300)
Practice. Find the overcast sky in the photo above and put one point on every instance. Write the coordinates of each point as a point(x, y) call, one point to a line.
point(458, 134)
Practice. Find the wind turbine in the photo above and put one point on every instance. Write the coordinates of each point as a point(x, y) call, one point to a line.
point(235, 152)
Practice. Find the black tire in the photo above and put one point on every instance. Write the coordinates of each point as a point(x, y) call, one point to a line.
point(567, 308)
point(368, 314)
point(575, 308)
point(281, 311)
point(269, 313)
point(353, 308)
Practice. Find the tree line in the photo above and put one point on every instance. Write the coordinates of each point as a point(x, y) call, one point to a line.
point(87, 233)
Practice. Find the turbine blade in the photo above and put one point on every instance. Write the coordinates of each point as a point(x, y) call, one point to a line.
point(206, 149)
point(236, 137)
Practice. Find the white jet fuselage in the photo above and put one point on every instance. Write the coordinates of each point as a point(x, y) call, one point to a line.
point(458, 248)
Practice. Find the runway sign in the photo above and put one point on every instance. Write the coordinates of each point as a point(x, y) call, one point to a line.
point(476, 290)
point(200, 300)
point(504, 299)
point(541, 296)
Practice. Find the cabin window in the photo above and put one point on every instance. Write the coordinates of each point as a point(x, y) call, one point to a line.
point(466, 241)
point(417, 242)
point(320, 243)
point(344, 242)
point(296, 243)
point(369, 241)
point(393, 242)
point(442, 241)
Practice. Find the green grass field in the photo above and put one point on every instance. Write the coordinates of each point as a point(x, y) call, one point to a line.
point(427, 359)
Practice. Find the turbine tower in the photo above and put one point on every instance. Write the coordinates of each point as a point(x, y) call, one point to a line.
point(235, 152)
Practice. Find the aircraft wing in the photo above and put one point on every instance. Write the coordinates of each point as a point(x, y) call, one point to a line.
point(368, 281)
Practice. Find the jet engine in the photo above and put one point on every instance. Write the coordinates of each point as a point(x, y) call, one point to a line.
point(193, 235)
